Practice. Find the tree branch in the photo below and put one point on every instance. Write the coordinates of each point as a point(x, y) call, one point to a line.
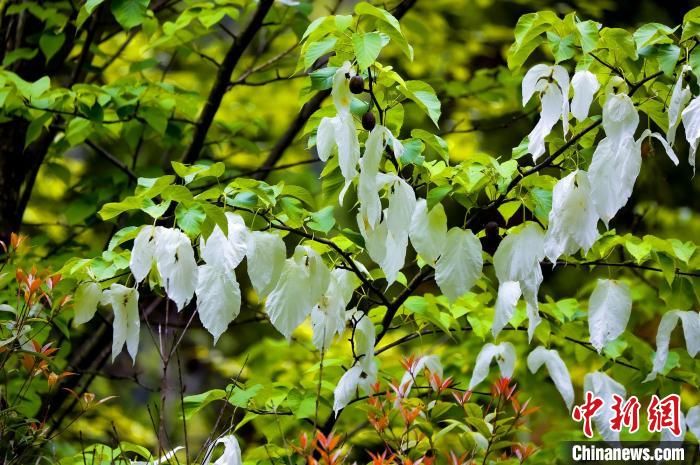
point(223, 78)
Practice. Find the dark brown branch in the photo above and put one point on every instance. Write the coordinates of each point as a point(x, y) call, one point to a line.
point(112, 159)
point(223, 78)
point(290, 134)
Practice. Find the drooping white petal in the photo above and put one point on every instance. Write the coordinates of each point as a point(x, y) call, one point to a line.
point(692, 421)
point(328, 317)
point(690, 321)
point(225, 251)
point(585, 86)
point(325, 138)
point(534, 80)
point(303, 280)
point(620, 117)
point(573, 218)
point(679, 99)
point(518, 258)
point(402, 203)
point(561, 79)
point(367, 190)
point(232, 452)
point(549, 115)
point(142, 253)
point(375, 238)
point(557, 371)
point(603, 386)
point(176, 265)
point(348, 146)
point(342, 97)
point(237, 237)
point(691, 123)
point(218, 298)
point(457, 270)
point(364, 337)
point(428, 231)
point(609, 311)
point(395, 255)
point(613, 171)
point(266, 253)
point(86, 298)
point(533, 316)
point(509, 293)
point(504, 353)
point(346, 388)
point(357, 378)
point(667, 147)
point(126, 324)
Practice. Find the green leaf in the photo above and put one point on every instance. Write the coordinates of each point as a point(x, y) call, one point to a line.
point(436, 143)
point(424, 95)
point(562, 48)
point(322, 79)
point(19, 54)
point(50, 43)
point(129, 13)
point(316, 50)
point(588, 35)
point(195, 403)
point(364, 8)
point(528, 33)
point(112, 209)
point(190, 218)
point(322, 220)
point(36, 127)
point(367, 47)
point(91, 5)
point(668, 55)
point(651, 34)
point(413, 148)
point(619, 42)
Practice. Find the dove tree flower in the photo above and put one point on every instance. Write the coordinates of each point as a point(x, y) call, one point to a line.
point(609, 310)
point(339, 131)
point(690, 320)
point(604, 387)
point(518, 260)
point(127, 321)
point(617, 159)
point(573, 218)
point(552, 85)
point(680, 96)
point(504, 353)
point(585, 85)
point(557, 371)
